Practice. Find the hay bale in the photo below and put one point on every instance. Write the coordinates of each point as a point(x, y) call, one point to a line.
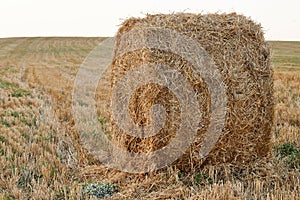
point(238, 49)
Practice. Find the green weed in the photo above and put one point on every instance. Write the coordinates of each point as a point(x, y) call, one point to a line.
point(290, 154)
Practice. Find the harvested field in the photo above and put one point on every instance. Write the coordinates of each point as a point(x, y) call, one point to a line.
point(40, 158)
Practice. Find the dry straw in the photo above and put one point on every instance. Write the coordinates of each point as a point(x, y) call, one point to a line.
point(238, 49)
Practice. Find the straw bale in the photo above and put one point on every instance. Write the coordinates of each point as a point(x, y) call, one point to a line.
point(237, 46)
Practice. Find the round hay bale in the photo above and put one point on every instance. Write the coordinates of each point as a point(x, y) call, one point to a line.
point(237, 47)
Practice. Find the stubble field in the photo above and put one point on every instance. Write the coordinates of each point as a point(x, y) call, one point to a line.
point(41, 156)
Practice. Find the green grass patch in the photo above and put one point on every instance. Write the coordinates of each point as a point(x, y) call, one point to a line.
point(20, 93)
point(16, 90)
point(290, 154)
point(200, 178)
point(3, 139)
point(2, 152)
point(25, 136)
point(104, 125)
point(15, 114)
point(7, 85)
point(27, 177)
point(102, 121)
point(5, 123)
point(9, 197)
point(29, 121)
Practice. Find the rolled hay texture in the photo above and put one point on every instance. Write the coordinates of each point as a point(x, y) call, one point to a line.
point(237, 47)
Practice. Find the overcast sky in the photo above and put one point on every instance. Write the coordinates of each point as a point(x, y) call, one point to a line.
point(280, 18)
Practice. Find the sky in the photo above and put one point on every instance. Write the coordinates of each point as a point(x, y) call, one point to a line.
point(280, 19)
